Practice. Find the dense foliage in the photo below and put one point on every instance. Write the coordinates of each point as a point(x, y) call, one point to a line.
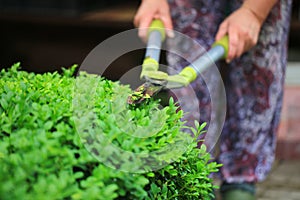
point(58, 139)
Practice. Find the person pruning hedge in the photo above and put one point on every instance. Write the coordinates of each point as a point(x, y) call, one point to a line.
point(253, 79)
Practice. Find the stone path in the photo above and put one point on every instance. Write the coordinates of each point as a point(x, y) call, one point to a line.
point(283, 183)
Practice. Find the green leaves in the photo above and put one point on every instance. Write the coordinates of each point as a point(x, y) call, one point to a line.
point(55, 129)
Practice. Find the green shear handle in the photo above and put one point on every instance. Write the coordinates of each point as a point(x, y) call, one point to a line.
point(150, 66)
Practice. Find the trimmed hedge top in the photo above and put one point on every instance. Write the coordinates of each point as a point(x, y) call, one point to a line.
point(63, 137)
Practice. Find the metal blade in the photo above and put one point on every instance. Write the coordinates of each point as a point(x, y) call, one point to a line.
point(145, 91)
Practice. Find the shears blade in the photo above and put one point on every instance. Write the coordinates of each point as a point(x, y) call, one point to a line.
point(146, 91)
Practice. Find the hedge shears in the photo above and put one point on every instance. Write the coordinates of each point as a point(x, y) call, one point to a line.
point(156, 80)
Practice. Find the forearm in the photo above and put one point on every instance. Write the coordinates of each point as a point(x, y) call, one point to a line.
point(260, 8)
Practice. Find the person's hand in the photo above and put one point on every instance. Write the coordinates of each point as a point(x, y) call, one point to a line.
point(242, 28)
point(153, 9)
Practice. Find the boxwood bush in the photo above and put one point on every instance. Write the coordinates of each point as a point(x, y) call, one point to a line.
point(52, 132)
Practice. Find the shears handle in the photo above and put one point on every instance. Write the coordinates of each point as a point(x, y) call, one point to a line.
point(156, 36)
point(218, 51)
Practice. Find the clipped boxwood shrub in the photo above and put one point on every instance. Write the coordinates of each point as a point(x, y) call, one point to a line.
point(63, 137)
